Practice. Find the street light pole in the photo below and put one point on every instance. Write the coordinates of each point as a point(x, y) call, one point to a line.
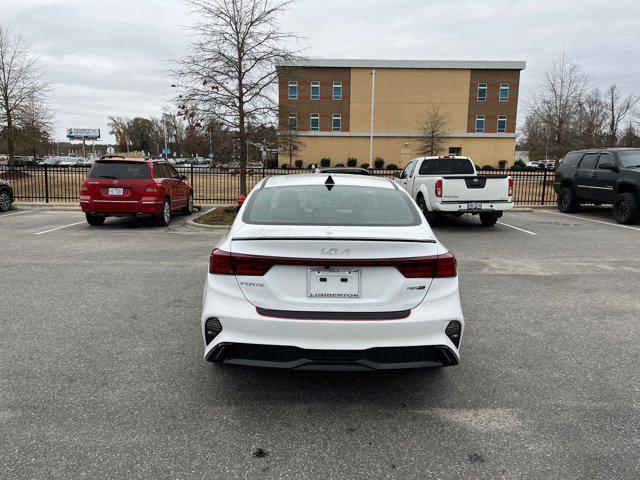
point(373, 100)
point(164, 121)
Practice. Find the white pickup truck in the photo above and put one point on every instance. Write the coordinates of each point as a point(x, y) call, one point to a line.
point(450, 185)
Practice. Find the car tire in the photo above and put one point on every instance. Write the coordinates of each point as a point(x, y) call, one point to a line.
point(489, 219)
point(95, 220)
point(5, 201)
point(188, 208)
point(165, 217)
point(626, 209)
point(567, 200)
point(430, 216)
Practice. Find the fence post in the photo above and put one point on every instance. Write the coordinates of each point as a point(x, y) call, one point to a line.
point(46, 183)
point(191, 174)
point(544, 187)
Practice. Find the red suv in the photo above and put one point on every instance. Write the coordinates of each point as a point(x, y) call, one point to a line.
point(118, 187)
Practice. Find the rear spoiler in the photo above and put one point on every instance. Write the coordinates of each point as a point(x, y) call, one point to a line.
point(475, 176)
point(339, 239)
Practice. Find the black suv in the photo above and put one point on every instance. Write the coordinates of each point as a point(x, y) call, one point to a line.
point(606, 175)
point(6, 196)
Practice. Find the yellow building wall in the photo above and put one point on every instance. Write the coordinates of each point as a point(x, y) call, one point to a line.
point(404, 95)
point(399, 150)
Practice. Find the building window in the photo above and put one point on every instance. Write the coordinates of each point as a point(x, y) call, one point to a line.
point(337, 90)
point(502, 123)
point(315, 90)
point(482, 92)
point(315, 122)
point(293, 121)
point(293, 90)
point(479, 123)
point(504, 92)
point(336, 124)
point(455, 151)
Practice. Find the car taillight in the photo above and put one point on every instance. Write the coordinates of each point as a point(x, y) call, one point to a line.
point(436, 266)
point(510, 187)
point(85, 188)
point(439, 188)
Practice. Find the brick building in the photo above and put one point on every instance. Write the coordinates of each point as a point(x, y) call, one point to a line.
point(328, 102)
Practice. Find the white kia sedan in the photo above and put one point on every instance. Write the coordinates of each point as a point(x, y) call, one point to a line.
point(331, 272)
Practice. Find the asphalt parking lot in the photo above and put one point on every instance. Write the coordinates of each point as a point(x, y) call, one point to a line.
point(102, 376)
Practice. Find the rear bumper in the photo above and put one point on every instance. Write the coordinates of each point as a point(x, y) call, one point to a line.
point(414, 339)
point(146, 206)
point(293, 358)
point(462, 207)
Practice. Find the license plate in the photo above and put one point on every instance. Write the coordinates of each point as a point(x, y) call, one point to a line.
point(333, 283)
point(474, 206)
point(116, 191)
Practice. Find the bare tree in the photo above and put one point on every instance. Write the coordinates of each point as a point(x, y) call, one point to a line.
point(618, 109)
point(230, 73)
point(34, 122)
point(558, 102)
point(22, 82)
point(119, 128)
point(591, 120)
point(289, 141)
point(433, 127)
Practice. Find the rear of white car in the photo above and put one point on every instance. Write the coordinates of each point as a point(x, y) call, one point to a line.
point(331, 272)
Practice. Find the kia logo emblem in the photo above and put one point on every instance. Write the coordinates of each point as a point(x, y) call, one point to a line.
point(115, 182)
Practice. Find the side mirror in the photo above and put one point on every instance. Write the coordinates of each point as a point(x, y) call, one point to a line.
point(396, 175)
point(608, 166)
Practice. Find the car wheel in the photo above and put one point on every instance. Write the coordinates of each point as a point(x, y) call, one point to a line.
point(165, 217)
point(188, 208)
point(95, 220)
point(567, 201)
point(430, 216)
point(5, 202)
point(488, 219)
point(626, 209)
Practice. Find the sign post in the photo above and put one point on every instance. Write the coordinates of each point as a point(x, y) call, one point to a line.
point(84, 134)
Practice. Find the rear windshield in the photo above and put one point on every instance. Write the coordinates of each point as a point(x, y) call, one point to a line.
point(446, 166)
point(119, 170)
point(342, 205)
point(630, 158)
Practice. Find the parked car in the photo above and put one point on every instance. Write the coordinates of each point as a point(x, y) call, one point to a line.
point(118, 186)
point(26, 161)
point(346, 170)
point(450, 185)
point(601, 176)
point(340, 273)
point(51, 161)
point(71, 162)
point(6, 196)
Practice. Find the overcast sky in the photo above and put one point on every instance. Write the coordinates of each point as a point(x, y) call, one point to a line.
point(109, 57)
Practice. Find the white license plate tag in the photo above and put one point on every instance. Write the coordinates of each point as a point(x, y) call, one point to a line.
point(116, 191)
point(333, 283)
point(474, 206)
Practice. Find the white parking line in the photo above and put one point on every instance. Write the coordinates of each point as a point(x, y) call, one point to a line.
point(517, 228)
point(59, 228)
point(16, 213)
point(594, 221)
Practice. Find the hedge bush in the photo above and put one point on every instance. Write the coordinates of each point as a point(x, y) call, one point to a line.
point(502, 164)
point(392, 166)
point(298, 163)
point(325, 162)
point(339, 165)
point(352, 162)
point(364, 165)
point(378, 163)
point(488, 167)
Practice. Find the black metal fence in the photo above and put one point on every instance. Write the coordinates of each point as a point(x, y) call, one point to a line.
point(45, 183)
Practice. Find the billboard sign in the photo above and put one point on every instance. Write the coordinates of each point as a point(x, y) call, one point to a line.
point(83, 133)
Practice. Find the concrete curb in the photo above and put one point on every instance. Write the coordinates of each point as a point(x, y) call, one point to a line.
point(211, 228)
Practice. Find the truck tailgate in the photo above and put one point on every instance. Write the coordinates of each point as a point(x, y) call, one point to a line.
point(475, 188)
